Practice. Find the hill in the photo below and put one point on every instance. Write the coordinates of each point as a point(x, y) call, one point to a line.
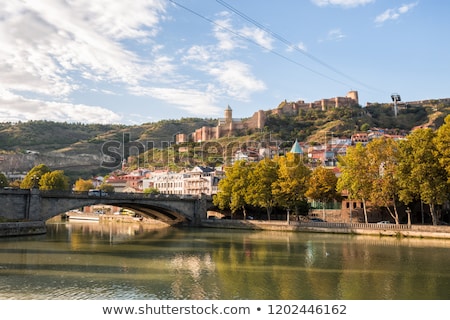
point(79, 148)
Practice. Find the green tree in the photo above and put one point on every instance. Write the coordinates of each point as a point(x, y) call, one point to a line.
point(355, 176)
point(33, 177)
point(442, 141)
point(322, 186)
point(382, 158)
point(3, 181)
point(106, 187)
point(54, 180)
point(260, 181)
point(293, 177)
point(420, 173)
point(151, 191)
point(233, 188)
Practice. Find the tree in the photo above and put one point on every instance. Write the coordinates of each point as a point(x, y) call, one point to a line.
point(3, 181)
point(355, 176)
point(442, 141)
point(382, 158)
point(54, 180)
point(293, 177)
point(109, 188)
point(233, 188)
point(420, 173)
point(83, 185)
point(32, 179)
point(322, 186)
point(151, 190)
point(260, 181)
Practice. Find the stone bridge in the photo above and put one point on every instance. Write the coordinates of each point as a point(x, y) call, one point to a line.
point(37, 205)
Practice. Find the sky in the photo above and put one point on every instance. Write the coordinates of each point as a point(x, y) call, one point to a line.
point(141, 61)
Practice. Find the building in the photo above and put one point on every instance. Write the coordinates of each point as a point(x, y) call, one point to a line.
point(293, 108)
point(226, 127)
point(200, 180)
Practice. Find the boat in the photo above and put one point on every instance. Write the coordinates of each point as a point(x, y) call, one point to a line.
point(78, 215)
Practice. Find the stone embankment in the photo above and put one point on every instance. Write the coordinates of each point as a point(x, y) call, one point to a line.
point(10, 229)
point(373, 229)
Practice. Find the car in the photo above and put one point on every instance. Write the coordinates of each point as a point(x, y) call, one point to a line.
point(317, 220)
point(384, 222)
point(97, 193)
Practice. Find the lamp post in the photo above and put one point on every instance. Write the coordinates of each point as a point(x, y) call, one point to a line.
point(35, 180)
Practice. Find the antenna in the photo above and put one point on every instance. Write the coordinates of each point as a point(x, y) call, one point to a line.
point(395, 97)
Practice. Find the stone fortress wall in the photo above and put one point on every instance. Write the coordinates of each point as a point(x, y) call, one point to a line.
point(228, 125)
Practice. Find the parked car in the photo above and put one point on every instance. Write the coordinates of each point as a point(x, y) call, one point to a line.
point(97, 193)
point(384, 222)
point(317, 220)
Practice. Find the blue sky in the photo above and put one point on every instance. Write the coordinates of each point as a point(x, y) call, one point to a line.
point(133, 62)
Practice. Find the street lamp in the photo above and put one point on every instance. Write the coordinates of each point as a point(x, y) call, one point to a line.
point(395, 97)
point(35, 180)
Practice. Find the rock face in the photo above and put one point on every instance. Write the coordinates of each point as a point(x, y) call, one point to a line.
point(24, 162)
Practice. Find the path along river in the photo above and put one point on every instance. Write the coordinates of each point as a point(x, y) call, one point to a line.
point(92, 260)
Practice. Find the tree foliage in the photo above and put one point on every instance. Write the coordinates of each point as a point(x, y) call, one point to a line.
point(293, 177)
point(33, 177)
point(3, 181)
point(355, 175)
point(54, 180)
point(83, 185)
point(233, 188)
point(421, 175)
point(322, 186)
point(442, 142)
point(260, 180)
point(382, 159)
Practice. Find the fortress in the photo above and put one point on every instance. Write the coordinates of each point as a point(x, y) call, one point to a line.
point(229, 126)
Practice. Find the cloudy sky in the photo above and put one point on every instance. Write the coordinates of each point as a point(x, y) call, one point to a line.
point(132, 62)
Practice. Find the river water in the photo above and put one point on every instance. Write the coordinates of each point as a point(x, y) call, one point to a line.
point(92, 260)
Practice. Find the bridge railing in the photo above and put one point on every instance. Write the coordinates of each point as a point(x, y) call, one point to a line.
point(116, 195)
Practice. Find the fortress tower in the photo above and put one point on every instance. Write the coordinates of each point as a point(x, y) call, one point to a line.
point(228, 114)
point(353, 95)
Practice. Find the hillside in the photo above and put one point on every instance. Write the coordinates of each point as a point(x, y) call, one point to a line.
point(77, 148)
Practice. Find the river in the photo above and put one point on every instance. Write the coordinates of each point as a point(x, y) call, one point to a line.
point(93, 260)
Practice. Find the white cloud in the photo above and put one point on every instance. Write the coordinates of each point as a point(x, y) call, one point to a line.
point(342, 3)
point(227, 40)
point(14, 108)
point(55, 49)
point(335, 35)
point(258, 36)
point(394, 14)
point(49, 47)
point(236, 79)
point(192, 101)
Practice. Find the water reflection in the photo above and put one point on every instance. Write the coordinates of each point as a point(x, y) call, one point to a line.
point(132, 261)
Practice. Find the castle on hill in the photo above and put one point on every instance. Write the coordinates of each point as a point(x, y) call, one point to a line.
point(229, 126)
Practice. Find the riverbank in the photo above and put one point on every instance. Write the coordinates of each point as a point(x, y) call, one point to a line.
point(371, 229)
point(11, 229)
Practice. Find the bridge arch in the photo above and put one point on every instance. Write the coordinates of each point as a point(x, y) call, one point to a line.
point(42, 205)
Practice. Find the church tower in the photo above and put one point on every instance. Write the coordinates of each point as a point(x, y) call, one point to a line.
point(228, 115)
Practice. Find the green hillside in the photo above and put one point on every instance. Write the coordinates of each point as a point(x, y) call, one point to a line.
point(77, 147)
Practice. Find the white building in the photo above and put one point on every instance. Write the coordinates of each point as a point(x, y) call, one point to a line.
point(200, 180)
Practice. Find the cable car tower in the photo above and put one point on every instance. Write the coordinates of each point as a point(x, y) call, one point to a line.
point(395, 97)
